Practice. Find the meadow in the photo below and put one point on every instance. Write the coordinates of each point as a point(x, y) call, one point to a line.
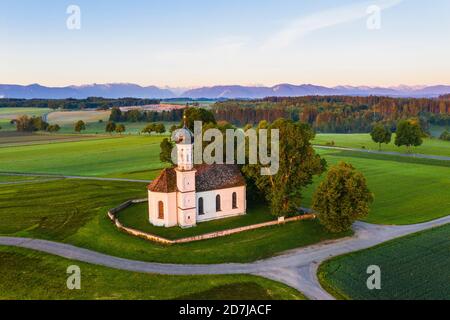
point(406, 190)
point(77, 215)
point(130, 156)
point(364, 141)
point(421, 272)
point(32, 275)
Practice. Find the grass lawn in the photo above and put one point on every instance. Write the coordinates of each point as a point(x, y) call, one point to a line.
point(136, 217)
point(360, 141)
point(74, 211)
point(406, 190)
point(137, 156)
point(32, 275)
point(415, 267)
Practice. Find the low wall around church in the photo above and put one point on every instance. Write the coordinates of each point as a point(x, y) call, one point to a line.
point(112, 214)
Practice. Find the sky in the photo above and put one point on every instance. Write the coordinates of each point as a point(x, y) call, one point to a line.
point(222, 42)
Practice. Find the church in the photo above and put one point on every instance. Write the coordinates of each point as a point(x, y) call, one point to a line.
point(189, 194)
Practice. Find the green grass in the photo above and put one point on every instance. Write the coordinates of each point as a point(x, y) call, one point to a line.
point(116, 157)
point(74, 211)
point(412, 268)
point(406, 190)
point(133, 128)
point(136, 217)
point(31, 275)
point(360, 141)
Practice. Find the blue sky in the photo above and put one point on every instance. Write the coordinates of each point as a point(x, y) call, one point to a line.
point(250, 42)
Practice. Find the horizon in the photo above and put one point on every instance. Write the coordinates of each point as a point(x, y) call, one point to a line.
point(201, 44)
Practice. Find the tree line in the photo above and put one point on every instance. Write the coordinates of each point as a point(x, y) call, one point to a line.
point(336, 114)
point(76, 104)
point(136, 115)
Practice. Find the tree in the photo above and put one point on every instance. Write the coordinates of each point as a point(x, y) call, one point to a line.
point(198, 114)
point(80, 126)
point(409, 133)
point(342, 198)
point(116, 115)
point(27, 124)
point(298, 164)
point(166, 151)
point(149, 128)
point(445, 136)
point(110, 127)
point(381, 134)
point(53, 128)
point(160, 128)
point(120, 128)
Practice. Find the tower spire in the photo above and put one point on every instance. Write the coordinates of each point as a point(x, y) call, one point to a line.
point(184, 121)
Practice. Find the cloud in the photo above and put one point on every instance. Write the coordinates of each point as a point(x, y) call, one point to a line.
point(324, 19)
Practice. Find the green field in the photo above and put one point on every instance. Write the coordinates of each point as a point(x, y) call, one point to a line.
point(406, 190)
point(31, 275)
point(364, 141)
point(135, 157)
point(74, 211)
point(412, 268)
point(136, 217)
point(13, 139)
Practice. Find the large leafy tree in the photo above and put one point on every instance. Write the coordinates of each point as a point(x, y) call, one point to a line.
point(381, 134)
point(110, 127)
point(298, 164)
point(342, 198)
point(409, 133)
point(166, 151)
point(198, 114)
point(80, 126)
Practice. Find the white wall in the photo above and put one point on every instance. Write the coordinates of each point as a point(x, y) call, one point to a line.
point(209, 203)
point(170, 209)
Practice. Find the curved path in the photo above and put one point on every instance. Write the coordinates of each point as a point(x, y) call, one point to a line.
point(296, 268)
point(388, 153)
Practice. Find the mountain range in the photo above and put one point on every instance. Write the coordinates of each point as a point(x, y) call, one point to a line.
point(121, 90)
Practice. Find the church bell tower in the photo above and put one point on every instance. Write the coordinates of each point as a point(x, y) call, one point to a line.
point(186, 198)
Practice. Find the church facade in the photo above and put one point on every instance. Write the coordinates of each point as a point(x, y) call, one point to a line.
point(189, 194)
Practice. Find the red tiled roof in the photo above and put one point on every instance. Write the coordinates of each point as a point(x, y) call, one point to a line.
point(207, 178)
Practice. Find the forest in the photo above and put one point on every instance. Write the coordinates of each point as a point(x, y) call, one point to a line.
point(336, 114)
point(75, 104)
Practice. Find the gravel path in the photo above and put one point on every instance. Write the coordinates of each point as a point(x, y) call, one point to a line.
point(296, 268)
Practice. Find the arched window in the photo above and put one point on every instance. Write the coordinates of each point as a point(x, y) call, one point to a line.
point(160, 210)
point(201, 208)
point(218, 205)
point(234, 200)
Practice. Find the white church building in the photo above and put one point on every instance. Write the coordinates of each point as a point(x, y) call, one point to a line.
point(189, 194)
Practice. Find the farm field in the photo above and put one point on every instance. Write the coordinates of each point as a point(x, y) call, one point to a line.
point(413, 268)
point(406, 190)
point(21, 267)
point(134, 128)
point(10, 139)
point(136, 155)
point(79, 217)
point(364, 141)
point(70, 117)
point(13, 113)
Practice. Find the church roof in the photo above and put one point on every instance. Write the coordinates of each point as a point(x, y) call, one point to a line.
point(207, 178)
